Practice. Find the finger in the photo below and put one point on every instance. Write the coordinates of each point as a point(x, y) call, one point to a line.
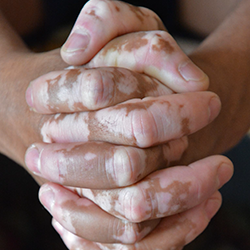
point(154, 53)
point(165, 192)
point(142, 123)
point(89, 89)
point(99, 22)
point(181, 229)
point(172, 233)
point(71, 240)
point(82, 217)
point(100, 165)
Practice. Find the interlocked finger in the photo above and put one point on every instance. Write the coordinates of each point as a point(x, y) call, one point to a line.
point(100, 165)
point(81, 89)
point(143, 123)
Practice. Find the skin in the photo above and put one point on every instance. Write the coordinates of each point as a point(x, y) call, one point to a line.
point(176, 185)
point(73, 212)
point(19, 58)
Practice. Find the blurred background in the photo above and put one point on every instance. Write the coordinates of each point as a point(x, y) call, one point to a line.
point(26, 225)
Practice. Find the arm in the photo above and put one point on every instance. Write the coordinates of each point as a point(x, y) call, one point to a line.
point(224, 56)
point(17, 121)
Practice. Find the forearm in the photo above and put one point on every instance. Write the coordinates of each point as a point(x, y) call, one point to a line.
point(225, 57)
point(19, 66)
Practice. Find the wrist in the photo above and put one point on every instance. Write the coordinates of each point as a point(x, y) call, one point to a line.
point(19, 127)
point(229, 80)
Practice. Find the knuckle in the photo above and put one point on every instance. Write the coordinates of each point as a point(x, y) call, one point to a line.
point(93, 89)
point(123, 169)
point(138, 206)
point(132, 232)
point(129, 165)
point(144, 129)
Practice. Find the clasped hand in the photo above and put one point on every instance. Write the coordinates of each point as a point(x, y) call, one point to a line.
point(115, 130)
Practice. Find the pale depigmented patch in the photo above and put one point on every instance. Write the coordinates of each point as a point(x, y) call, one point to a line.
point(144, 50)
point(162, 204)
point(127, 85)
point(126, 234)
point(54, 130)
point(117, 52)
point(90, 156)
point(163, 74)
point(136, 122)
point(146, 201)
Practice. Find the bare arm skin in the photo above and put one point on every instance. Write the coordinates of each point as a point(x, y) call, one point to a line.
point(18, 123)
point(224, 56)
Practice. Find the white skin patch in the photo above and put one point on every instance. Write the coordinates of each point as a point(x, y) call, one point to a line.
point(55, 165)
point(57, 116)
point(43, 95)
point(89, 156)
point(75, 93)
point(55, 130)
point(129, 233)
point(143, 126)
point(163, 203)
point(128, 85)
point(63, 96)
point(133, 204)
point(129, 203)
point(66, 215)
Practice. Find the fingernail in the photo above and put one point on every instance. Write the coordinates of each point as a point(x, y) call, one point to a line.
point(32, 160)
point(77, 41)
point(190, 72)
point(214, 107)
point(212, 206)
point(225, 173)
point(47, 197)
point(29, 97)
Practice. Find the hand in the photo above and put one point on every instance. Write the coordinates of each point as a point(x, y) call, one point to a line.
point(53, 93)
point(78, 220)
point(67, 109)
point(102, 20)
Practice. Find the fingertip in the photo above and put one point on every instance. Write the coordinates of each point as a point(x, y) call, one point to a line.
point(213, 205)
point(47, 197)
point(76, 58)
point(58, 227)
point(29, 97)
point(196, 78)
point(74, 50)
point(214, 107)
point(32, 159)
point(225, 172)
